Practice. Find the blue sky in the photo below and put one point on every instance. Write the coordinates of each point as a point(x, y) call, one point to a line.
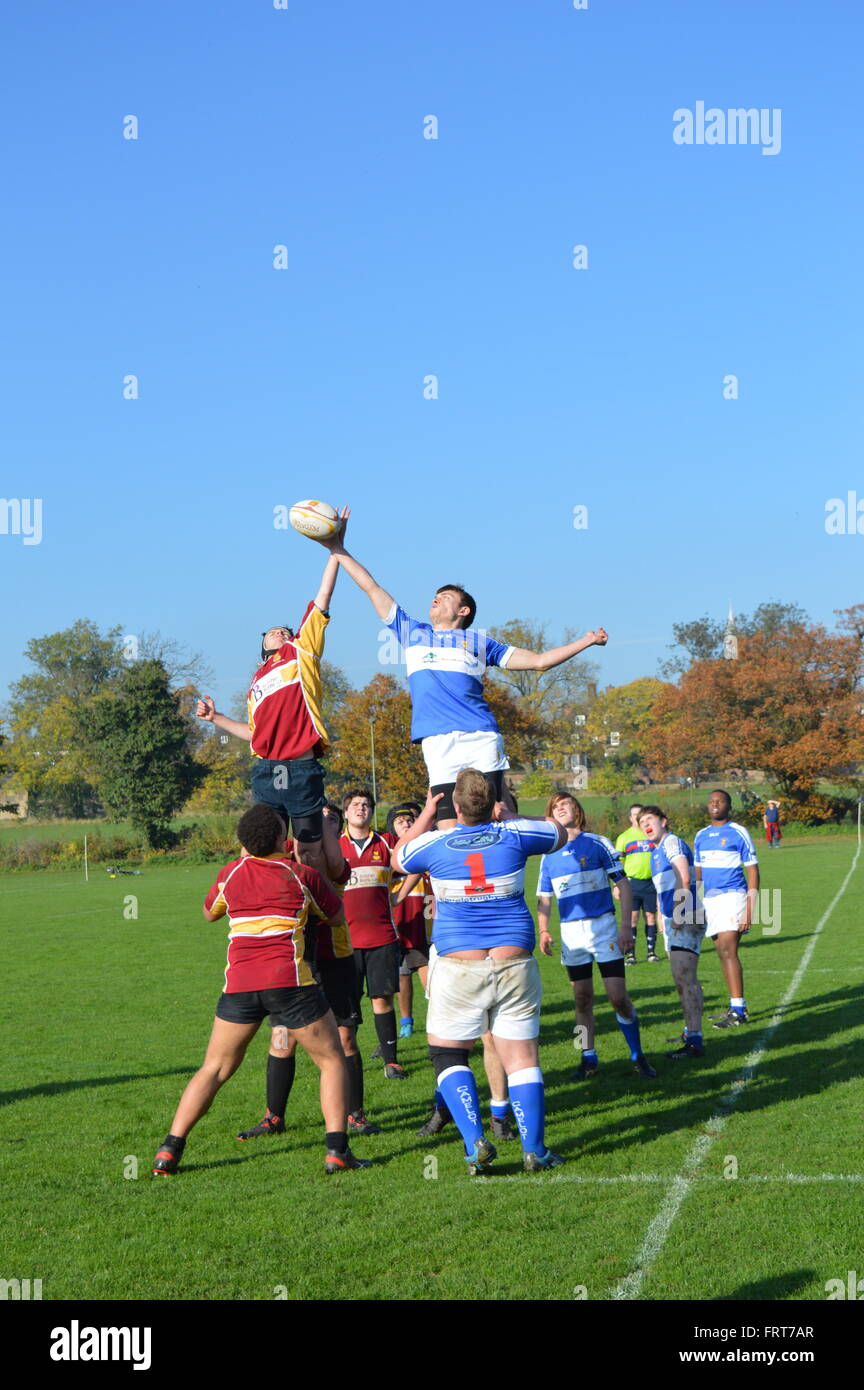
point(406, 257)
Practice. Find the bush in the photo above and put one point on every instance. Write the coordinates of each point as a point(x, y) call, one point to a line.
point(213, 841)
point(537, 783)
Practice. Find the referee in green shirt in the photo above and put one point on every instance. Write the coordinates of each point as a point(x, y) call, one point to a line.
point(635, 853)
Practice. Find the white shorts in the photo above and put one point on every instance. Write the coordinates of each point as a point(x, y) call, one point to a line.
point(590, 938)
point(468, 998)
point(683, 938)
point(724, 911)
point(447, 754)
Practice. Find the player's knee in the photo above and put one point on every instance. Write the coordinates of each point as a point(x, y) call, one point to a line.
point(443, 1058)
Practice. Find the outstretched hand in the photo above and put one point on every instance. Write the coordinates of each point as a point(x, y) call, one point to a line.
point(338, 536)
point(599, 637)
point(205, 708)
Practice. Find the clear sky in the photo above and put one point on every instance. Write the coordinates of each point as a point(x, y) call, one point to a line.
point(406, 256)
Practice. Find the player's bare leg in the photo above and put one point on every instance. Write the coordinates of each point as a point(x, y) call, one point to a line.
point(497, 1078)
point(726, 944)
point(320, 1040)
point(684, 965)
point(583, 1003)
point(225, 1052)
point(406, 996)
point(627, 1020)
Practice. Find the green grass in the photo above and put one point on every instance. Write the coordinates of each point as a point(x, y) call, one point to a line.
point(107, 1016)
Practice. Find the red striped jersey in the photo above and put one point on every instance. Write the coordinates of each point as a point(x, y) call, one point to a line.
point(409, 916)
point(269, 903)
point(333, 943)
point(367, 892)
point(284, 700)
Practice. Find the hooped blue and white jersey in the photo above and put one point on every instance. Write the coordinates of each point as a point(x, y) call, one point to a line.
point(445, 675)
point(664, 877)
point(579, 875)
point(478, 878)
point(721, 851)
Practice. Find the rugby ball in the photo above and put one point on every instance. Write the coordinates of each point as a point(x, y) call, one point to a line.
point(312, 518)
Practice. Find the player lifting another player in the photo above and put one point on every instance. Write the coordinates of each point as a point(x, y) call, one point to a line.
point(483, 976)
point(446, 660)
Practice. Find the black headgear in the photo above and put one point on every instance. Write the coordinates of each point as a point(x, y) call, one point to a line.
point(264, 652)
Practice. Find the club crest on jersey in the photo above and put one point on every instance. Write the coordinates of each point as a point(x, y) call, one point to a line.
point(478, 841)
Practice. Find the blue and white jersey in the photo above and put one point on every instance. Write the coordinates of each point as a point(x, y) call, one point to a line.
point(663, 874)
point(478, 878)
point(579, 875)
point(445, 675)
point(721, 851)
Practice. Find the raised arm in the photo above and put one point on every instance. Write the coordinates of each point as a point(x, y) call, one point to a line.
point(523, 660)
point(381, 601)
point(206, 710)
point(424, 822)
point(328, 584)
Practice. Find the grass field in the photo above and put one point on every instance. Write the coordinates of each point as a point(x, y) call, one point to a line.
point(107, 1015)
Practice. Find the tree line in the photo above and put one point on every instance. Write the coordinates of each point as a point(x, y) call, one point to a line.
point(93, 729)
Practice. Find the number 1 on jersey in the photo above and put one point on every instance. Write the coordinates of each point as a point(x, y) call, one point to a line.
point(478, 882)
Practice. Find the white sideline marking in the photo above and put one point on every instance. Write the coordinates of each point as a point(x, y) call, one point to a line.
point(643, 1178)
point(658, 1231)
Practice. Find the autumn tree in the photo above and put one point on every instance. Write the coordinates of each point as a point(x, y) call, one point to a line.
point(382, 709)
point(701, 639)
point(628, 711)
point(548, 700)
point(790, 704)
point(227, 766)
point(527, 735)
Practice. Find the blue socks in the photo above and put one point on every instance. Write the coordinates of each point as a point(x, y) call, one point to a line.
point(500, 1109)
point(527, 1099)
point(458, 1091)
point(630, 1028)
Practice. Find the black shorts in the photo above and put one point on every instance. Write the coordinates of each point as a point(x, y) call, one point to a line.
point(446, 810)
point(609, 969)
point(411, 959)
point(296, 790)
point(644, 894)
point(379, 967)
point(339, 983)
point(292, 1007)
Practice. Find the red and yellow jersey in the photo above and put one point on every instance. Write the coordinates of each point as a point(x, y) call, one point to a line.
point(410, 917)
point(333, 943)
point(367, 892)
point(270, 904)
point(284, 700)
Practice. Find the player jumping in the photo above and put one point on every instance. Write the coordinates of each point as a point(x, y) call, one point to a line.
point(446, 661)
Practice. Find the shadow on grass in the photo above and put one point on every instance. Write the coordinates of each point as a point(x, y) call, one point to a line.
point(58, 1088)
point(781, 1286)
point(806, 1070)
